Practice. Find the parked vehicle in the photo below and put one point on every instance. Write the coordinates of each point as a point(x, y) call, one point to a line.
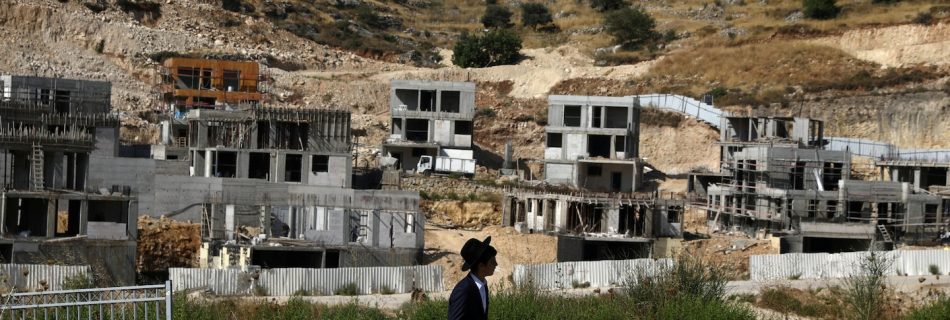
point(446, 165)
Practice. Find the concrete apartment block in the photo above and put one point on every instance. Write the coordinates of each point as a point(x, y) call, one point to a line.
point(593, 143)
point(57, 94)
point(775, 178)
point(52, 130)
point(432, 118)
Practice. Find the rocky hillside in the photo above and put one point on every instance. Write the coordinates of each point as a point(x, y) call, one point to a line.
point(878, 71)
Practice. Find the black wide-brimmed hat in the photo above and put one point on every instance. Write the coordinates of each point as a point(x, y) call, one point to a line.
point(474, 250)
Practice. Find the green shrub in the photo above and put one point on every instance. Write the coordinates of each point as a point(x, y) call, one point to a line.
point(485, 112)
point(631, 27)
point(349, 289)
point(496, 47)
point(820, 9)
point(260, 291)
point(496, 17)
point(934, 270)
point(924, 18)
point(779, 299)
point(866, 290)
point(425, 310)
point(100, 46)
point(607, 5)
point(939, 309)
point(534, 15)
point(688, 280)
point(693, 307)
point(80, 281)
point(386, 290)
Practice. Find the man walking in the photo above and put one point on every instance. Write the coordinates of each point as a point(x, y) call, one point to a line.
point(469, 299)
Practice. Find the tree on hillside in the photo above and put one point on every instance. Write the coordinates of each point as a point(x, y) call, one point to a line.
point(820, 9)
point(631, 27)
point(496, 17)
point(607, 5)
point(534, 15)
point(496, 47)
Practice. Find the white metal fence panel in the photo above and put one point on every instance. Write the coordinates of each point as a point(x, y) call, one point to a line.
point(40, 277)
point(599, 274)
point(287, 281)
point(137, 302)
point(842, 265)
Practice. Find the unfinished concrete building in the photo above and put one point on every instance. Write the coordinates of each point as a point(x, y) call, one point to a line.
point(595, 226)
point(50, 210)
point(592, 143)
point(776, 179)
point(928, 175)
point(430, 118)
point(189, 84)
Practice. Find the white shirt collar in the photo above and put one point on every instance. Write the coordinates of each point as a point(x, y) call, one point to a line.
point(481, 291)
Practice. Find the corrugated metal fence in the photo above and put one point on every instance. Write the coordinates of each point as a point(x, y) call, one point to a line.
point(841, 265)
point(39, 277)
point(287, 281)
point(562, 275)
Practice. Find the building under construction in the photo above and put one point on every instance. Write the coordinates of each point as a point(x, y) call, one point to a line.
point(271, 186)
point(592, 151)
point(50, 208)
point(776, 178)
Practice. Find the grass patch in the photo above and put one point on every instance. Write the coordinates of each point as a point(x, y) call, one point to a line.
point(349, 289)
point(938, 309)
point(793, 301)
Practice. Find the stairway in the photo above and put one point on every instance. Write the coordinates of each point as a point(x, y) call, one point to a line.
point(884, 234)
point(36, 168)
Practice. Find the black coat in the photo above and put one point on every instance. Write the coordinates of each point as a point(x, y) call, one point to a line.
point(465, 302)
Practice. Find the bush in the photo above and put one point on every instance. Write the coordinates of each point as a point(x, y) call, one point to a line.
point(685, 290)
point(607, 5)
point(934, 270)
point(496, 17)
point(865, 291)
point(496, 47)
point(885, 1)
point(631, 27)
point(80, 281)
point(349, 289)
point(924, 18)
point(939, 309)
point(820, 9)
point(485, 112)
point(535, 14)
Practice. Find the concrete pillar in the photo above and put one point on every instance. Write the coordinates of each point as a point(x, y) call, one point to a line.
point(229, 222)
point(895, 174)
point(84, 216)
point(243, 164)
point(3, 212)
point(51, 217)
point(612, 220)
point(133, 219)
point(544, 216)
point(917, 177)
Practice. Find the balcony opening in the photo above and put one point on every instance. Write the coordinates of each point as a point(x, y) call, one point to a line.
point(572, 116)
point(408, 98)
point(616, 117)
point(598, 146)
point(225, 165)
point(427, 100)
point(463, 127)
point(451, 101)
point(258, 166)
point(292, 165)
point(320, 163)
point(417, 130)
point(554, 140)
point(27, 217)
